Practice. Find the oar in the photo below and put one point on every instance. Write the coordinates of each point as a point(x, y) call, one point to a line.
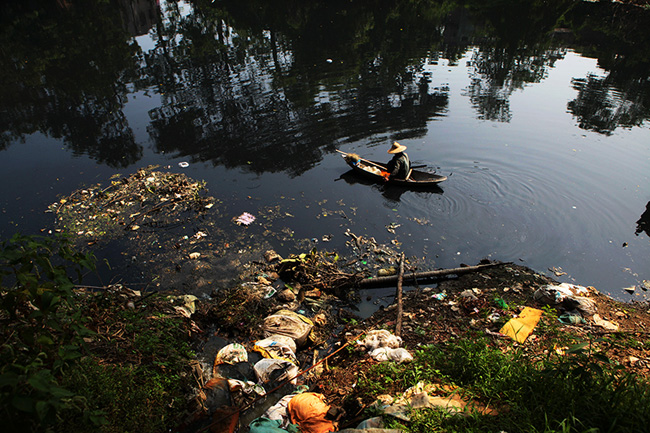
point(364, 160)
point(377, 165)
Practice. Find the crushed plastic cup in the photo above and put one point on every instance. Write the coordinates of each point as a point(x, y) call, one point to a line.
point(245, 219)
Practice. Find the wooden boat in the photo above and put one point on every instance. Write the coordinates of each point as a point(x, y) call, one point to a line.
point(378, 172)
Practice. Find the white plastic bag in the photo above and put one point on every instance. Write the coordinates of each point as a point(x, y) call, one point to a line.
point(277, 347)
point(398, 355)
point(275, 370)
point(279, 411)
point(290, 324)
point(380, 338)
point(554, 294)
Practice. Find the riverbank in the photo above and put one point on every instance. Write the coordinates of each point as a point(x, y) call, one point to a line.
point(480, 345)
point(158, 359)
point(452, 328)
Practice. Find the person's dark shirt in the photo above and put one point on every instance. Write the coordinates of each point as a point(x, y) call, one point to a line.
point(399, 166)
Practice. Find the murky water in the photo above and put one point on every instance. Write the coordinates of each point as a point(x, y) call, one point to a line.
point(541, 126)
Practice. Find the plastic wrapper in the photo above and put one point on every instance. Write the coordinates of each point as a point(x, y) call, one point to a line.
point(275, 370)
point(290, 324)
point(277, 347)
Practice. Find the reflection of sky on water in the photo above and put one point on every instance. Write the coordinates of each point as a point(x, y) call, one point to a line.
point(145, 42)
point(548, 151)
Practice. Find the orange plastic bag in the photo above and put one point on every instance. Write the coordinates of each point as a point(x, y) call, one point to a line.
point(308, 410)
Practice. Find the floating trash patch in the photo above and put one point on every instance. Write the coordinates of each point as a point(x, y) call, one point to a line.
point(146, 198)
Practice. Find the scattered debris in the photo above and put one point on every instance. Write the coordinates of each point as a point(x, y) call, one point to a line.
point(605, 324)
point(245, 219)
point(391, 227)
point(425, 395)
point(630, 289)
point(557, 271)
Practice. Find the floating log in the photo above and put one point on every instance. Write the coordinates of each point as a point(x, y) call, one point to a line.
point(390, 280)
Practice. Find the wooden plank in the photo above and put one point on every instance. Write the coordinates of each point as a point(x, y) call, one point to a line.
point(392, 279)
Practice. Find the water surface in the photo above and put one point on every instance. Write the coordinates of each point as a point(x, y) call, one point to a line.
point(539, 116)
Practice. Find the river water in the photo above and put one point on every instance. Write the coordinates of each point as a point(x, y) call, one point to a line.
point(539, 116)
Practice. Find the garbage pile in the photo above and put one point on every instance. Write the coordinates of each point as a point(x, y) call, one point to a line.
point(316, 272)
point(286, 321)
point(265, 382)
point(279, 295)
point(384, 346)
point(265, 388)
point(576, 304)
point(145, 198)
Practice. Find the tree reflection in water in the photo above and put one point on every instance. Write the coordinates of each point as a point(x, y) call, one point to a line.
point(643, 224)
point(497, 72)
point(601, 106)
point(258, 85)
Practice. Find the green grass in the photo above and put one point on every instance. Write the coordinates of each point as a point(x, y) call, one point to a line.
point(580, 392)
point(74, 361)
point(143, 387)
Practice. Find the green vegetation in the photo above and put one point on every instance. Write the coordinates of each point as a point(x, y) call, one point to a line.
point(581, 391)
point(77, 361)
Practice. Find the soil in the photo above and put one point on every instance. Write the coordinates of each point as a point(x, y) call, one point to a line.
point(430, 321)
point(497, 294)
point(323, 287)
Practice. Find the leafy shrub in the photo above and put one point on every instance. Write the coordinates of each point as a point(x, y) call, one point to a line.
point(42, 331)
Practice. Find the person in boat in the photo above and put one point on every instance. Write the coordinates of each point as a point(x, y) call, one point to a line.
point(400, 166)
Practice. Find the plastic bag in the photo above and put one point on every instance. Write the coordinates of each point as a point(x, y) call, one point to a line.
point(571, 318)
point(244, 392)
point(265, 425)
point(309, 411)
point(380, 338)
point(398, 355)
point(554, 294)
point(277, 347)
point(585, 305)
point(290, 324)
point(275, 370)
point(231, 354)
point(279, 412)
point(519, 328)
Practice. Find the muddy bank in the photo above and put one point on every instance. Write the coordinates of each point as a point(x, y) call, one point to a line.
point(436, 311)
point(158, 219)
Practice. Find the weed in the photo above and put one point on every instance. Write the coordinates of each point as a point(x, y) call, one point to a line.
point(61, 370)
point(580, 392)
point(42, 329)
